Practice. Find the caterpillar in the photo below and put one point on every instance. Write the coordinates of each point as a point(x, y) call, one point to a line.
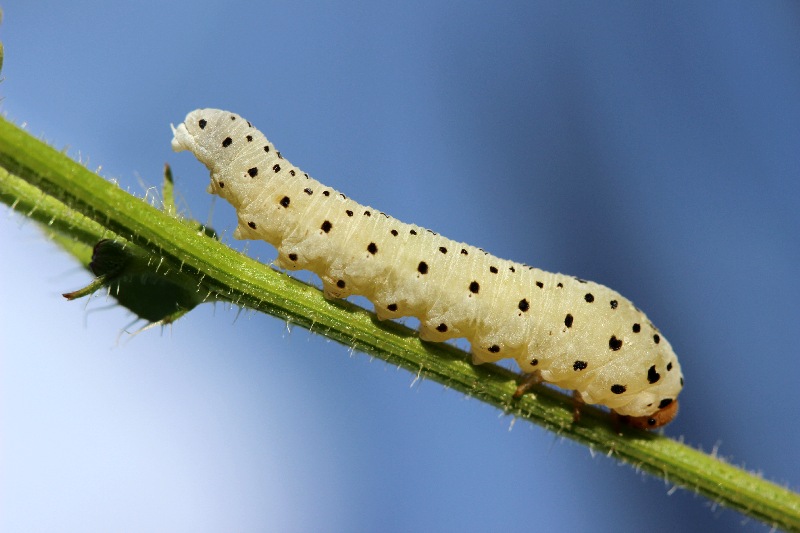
point(560, 329)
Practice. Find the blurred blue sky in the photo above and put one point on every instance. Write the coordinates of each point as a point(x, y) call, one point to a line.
point(649, 147)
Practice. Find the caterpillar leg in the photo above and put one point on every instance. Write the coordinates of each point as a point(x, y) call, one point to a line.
point(577, 403)
point(527, 383)
point(617, 421)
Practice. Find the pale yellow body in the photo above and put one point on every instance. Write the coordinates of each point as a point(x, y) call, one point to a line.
point(575, 334)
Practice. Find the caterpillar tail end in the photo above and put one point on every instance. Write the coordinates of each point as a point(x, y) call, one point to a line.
point(181, 140)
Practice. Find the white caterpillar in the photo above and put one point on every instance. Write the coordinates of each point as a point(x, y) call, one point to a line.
point(573, 333)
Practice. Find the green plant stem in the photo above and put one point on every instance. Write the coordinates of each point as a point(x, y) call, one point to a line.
point(58, 188)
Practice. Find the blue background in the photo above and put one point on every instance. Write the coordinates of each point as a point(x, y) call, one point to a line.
point(650, 147)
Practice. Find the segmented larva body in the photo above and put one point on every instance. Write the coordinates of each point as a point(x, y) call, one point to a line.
point(573, 333)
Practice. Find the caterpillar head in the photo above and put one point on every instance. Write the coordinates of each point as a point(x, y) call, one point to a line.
point(660, 418)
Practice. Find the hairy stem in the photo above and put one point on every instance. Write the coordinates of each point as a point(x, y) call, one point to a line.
point(46, 185)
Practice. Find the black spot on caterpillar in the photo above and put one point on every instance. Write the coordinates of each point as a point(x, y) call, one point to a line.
point(567, 331)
